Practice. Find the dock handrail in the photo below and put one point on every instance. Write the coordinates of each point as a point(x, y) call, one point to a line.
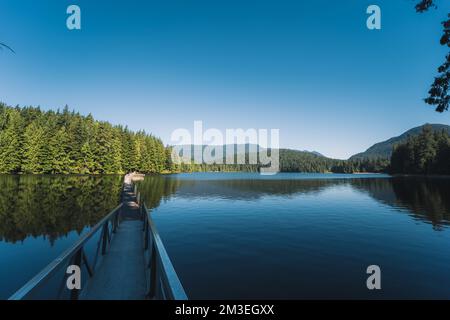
point(162, 280)
point(75, 255)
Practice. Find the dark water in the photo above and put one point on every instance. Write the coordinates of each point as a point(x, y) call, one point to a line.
point(41, 216)
point(304, 236)
point(250, 236)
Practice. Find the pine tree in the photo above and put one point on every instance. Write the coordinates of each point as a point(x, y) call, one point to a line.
point(11, 138)
point(426, 150)
point(87, 164)
point(442, 161)
point(127, 149)
point(66, 142)
point(60, 161)
point(116, 153)
point(33, 149)
point(77, 137)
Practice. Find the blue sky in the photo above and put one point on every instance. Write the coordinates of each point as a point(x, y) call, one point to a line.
point(310, 68)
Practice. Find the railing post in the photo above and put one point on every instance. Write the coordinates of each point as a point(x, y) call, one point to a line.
point(153, 275)
point(116, 221)
point(145, 234)
point(104, 237)
point(143, 210)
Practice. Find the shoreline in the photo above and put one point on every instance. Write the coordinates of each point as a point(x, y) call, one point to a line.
point(406, 175)
point(165, 173)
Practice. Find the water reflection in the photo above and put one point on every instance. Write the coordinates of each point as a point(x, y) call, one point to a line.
point(304, 237)
point(53, 206)
point(155, 188)
point(425, 199)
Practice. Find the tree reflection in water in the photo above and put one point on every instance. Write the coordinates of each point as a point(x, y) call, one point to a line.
point(425, 199)
point(53, 206)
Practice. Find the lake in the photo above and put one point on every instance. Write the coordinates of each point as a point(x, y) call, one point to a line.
point(239, 235)
point(243, 235)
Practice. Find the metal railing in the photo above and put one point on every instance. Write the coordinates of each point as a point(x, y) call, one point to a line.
point(162, 280)
point(54, 276)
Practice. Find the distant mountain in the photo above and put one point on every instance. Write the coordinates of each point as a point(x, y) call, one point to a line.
point(384, 149)
point(245, 148)
point(304, 152)
point(315, 152)
point(238, 148)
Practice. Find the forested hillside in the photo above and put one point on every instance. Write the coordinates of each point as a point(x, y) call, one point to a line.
point(426, 153)
point(301, 161)
point(33, 141)
point(65, 142)
point(383, 150)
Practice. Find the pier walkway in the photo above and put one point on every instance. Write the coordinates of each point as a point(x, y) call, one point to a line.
point(121, 258)
point(121, 276)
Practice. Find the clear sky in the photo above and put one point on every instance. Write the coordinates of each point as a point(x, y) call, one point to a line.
point(309, 68)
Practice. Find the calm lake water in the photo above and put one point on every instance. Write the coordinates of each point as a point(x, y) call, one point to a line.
point(305, 235)
point(242, 235)
point(41, 216)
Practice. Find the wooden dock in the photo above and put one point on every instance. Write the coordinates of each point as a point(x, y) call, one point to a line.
point(121, 276)
point(129, 262)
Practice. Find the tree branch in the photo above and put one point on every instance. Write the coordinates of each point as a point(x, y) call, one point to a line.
point(2, 45)
point(438, 95)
